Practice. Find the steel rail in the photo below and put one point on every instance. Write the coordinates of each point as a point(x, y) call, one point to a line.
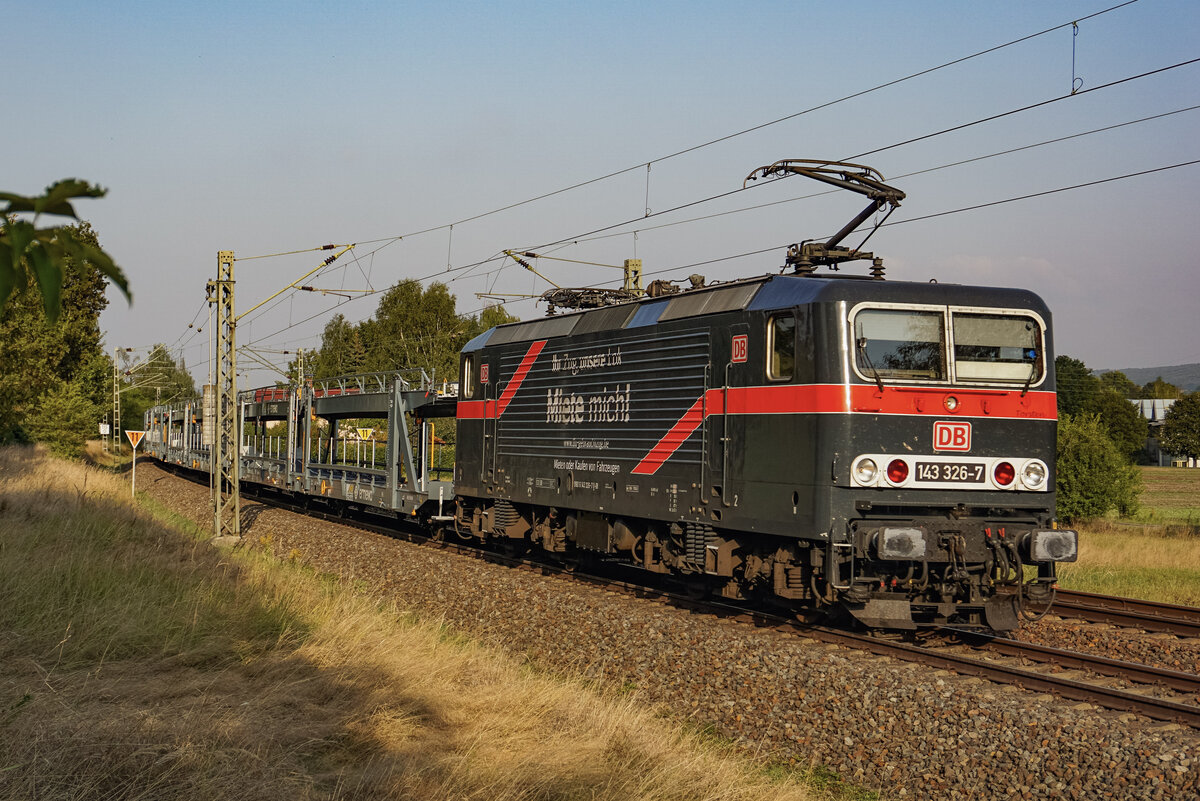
point(1108, 697)
point(1150, 615)
point(1101, 665)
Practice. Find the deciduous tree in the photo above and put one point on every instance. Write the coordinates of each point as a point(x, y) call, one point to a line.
point(1120, 383)
point(1122, 421)
point(1161, 389)
point(1075, 384)
point(413, 327)
point(65, 419)
point(38, 358)
point(44, 256)
point(159, 378)
point(342, 350)
point(1180, 433)
point(1091, 476)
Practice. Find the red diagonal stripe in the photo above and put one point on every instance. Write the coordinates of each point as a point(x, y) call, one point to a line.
point(514, 383)
point(672, 439)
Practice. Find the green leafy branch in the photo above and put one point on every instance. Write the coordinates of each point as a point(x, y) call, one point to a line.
point(45, 254)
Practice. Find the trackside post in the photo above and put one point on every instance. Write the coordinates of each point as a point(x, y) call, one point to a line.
point(135, 439)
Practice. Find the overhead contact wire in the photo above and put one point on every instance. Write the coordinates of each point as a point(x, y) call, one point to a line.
point(761, 126)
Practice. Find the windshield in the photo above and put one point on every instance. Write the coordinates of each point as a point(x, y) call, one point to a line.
point(996, 347)
point(949, 345)
point(900, 343)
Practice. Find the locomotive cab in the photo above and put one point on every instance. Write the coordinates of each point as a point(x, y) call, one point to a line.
point(945, 486)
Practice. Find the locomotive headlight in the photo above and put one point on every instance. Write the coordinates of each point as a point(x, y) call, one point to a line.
point(901, 543)
point(866, 471)
point(1058, 545)
point(1033, 475)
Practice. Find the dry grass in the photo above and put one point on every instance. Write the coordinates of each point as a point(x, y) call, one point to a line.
point(1135, 562)
point(96, 454)
point(138, 663)
point(1155, 555)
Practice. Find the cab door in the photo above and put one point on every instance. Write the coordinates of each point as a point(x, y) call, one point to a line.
point(487, 387)
point(733, 378)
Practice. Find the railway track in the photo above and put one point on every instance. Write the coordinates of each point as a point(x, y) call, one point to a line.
point(1152, 692)
point(1149, 615)
point(1139, 689)
point(1155, 693)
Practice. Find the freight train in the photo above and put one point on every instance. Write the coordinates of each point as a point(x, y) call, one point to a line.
point(848, 445)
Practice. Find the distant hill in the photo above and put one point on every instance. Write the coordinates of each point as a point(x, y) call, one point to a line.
point(1184, 376)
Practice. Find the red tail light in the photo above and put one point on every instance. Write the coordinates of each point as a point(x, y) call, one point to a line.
point(897, 471)
point(1004, 474)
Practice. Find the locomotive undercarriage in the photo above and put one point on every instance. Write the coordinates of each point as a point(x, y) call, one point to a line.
point(891, 573)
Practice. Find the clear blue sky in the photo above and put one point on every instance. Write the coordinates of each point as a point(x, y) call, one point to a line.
point(269, 126)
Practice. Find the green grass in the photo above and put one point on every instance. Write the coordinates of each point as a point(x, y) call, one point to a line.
point(1172, 495)
point(1172, 586)
point(1134, 562)
point(99, 581)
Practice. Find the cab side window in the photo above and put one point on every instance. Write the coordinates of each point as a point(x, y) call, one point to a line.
point(781, 347)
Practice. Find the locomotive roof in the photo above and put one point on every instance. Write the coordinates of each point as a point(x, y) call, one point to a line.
point(764, 293)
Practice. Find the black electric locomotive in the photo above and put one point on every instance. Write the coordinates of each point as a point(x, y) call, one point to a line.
point(883, 447)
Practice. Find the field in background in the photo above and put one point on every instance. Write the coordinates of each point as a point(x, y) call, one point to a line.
point(139, 662)
point(1156, 555)
point(1172, 495)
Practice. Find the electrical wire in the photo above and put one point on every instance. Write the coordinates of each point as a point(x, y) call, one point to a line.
point(901, 176)
point(1047, 192)
point(758, 127)
point(993, 117)
point(776, 248)
point(592, 234)
point(390, 240)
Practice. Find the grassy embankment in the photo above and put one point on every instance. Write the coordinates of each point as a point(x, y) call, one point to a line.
point(96, 454)
point(136, 662)
point(1155, 555)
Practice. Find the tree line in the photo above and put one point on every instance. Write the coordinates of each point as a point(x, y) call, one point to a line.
point(1102, 436)
point(413, 326)
point(57, 382)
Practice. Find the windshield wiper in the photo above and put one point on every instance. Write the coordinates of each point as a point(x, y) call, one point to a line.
point(1028, 381)
point(861, 344)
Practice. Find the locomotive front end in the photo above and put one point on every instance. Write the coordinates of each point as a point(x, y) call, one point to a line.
point(944, 471)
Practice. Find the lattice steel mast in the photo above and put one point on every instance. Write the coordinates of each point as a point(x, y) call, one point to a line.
point(226, 465)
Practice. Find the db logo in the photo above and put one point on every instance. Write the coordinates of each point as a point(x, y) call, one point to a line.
point(951, 436)
point(739, 348)
point(483, 374)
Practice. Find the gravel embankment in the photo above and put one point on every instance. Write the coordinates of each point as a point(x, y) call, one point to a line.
point(882, 724)
point(1129, 645)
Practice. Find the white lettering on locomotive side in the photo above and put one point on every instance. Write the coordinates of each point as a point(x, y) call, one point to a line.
point(566, 363)
point(586, 444)
point(604, 407)
point(586, 466)
point(562, 407)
